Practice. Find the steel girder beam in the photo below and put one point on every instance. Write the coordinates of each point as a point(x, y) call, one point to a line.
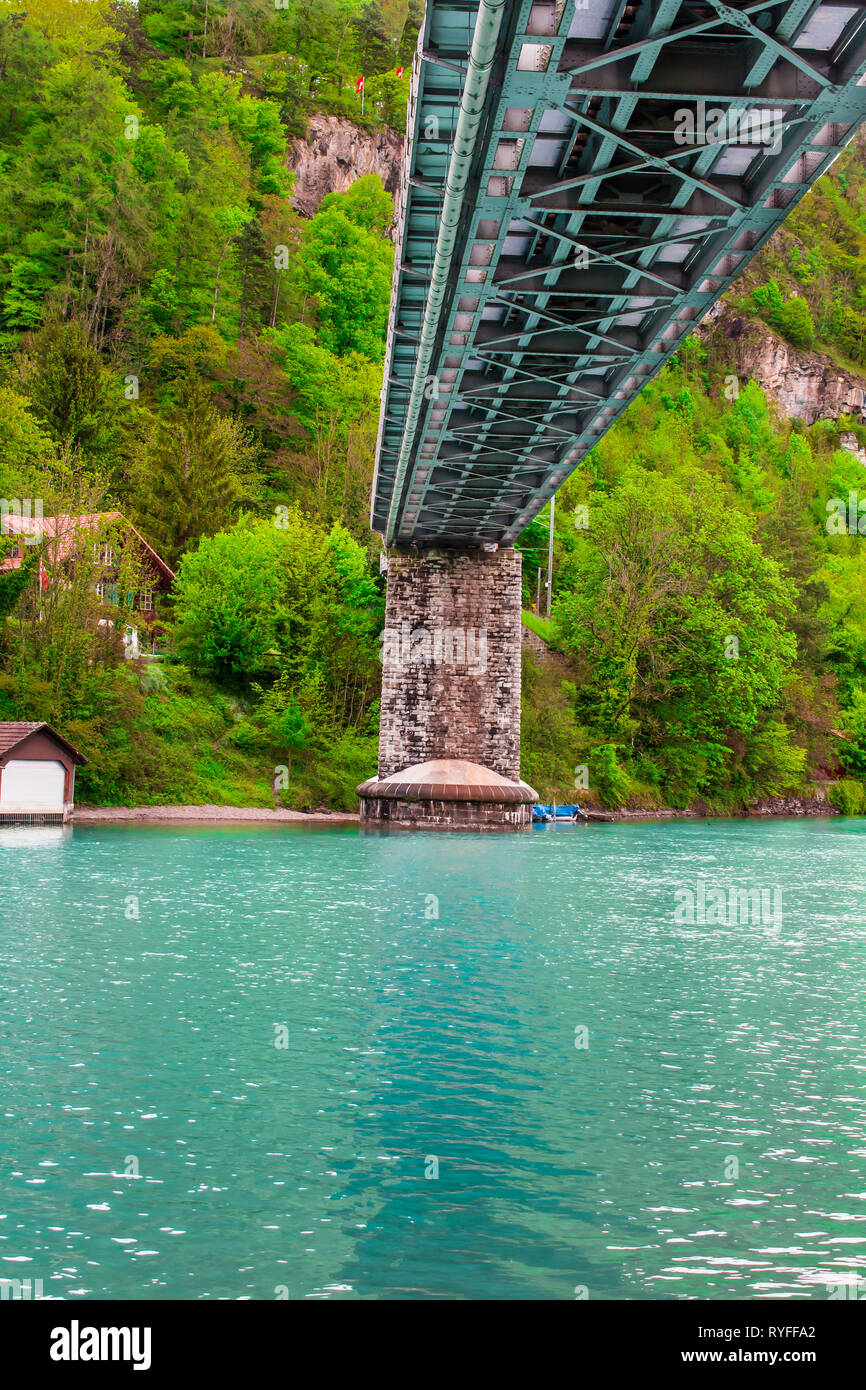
point(626, 162)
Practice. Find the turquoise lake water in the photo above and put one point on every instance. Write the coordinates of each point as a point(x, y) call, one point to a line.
point(704, 1137)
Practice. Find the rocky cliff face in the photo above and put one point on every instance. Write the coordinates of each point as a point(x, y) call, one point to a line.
point(800, 384)
point(335, 153)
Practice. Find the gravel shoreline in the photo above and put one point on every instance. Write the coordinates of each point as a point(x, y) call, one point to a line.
point(205, 814)
point(776, 807)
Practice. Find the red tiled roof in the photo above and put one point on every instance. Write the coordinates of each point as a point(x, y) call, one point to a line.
point(62, 530)
point(13, 732)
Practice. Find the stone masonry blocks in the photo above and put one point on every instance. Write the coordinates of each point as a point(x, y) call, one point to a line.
point(435, 705)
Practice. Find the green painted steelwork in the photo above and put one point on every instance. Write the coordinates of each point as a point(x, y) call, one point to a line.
point(581, 183)
point(472, 100)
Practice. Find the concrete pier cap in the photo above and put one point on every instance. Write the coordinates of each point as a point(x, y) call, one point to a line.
point(449, 736)
point(448, 792)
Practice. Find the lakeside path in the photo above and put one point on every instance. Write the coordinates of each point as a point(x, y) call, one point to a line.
point(143, 814)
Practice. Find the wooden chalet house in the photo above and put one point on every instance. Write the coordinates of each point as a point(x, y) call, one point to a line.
point(64, 537)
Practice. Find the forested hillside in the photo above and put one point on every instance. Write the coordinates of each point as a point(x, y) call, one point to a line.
point(711, 580)
point(177, 343)
point(809, 282)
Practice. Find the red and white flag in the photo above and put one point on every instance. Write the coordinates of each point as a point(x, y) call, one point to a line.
point(359, 85)
point(43, 576)
point(399, 72)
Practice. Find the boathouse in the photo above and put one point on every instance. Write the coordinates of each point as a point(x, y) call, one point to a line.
point(37, 774)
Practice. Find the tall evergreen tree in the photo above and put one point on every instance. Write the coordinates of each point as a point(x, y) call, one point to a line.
point(193, 472)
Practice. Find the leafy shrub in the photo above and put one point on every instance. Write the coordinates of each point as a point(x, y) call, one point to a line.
point(607, 777)
point(849, 797)
point(852, 749)
point(794, 322)
point(792, 317)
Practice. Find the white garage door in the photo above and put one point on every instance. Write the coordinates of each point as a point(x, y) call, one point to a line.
point(32, 786)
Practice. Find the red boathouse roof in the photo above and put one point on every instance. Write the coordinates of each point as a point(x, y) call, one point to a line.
point(14, 731)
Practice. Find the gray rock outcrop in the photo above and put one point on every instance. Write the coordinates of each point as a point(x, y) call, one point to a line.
point(335, 153)
point(801, 384)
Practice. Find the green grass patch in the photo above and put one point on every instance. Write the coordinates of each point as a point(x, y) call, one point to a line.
point(543, 627)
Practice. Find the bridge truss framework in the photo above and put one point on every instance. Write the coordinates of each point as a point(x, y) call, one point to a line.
point(577, 191)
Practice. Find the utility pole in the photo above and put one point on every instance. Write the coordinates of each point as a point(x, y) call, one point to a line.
point(550, 558)
point(538, 591)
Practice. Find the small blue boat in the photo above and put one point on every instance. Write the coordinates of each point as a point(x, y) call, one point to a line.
point(542, 814)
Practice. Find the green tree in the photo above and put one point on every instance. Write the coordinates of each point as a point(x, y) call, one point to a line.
point(192, 471)
point(852, 748)
point(794, 322)
point(680, 623)
point(25, 446)
point(344, 266)
point(77, 399)
point(285, 599)
point(229, 601)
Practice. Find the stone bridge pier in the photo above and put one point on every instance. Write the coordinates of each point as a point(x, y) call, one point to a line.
point(449, 739)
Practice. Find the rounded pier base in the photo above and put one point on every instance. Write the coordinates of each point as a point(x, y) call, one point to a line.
point(447, 794)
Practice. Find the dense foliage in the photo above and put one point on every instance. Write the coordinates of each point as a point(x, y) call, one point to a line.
point(178, 344)
point(809, 283)
point(712, 606)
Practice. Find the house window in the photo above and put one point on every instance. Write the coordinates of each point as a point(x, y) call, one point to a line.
point(145, 600)
point(103, 554)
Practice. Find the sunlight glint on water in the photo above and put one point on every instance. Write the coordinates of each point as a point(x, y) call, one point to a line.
point(156, 1143)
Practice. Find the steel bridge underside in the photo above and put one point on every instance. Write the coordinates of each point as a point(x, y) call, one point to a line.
point(596, 226)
